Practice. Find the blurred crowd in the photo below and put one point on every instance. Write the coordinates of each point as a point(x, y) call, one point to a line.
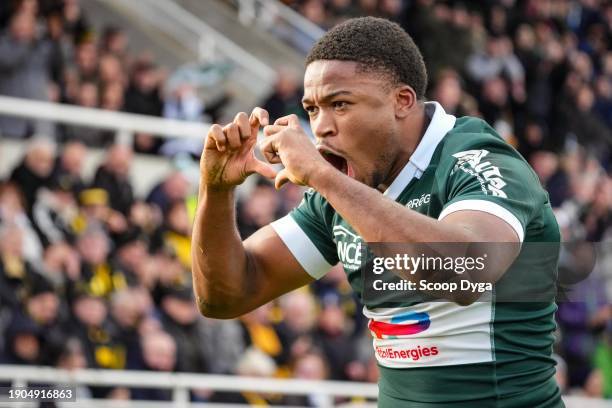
point(49, 51)
point(91, 275)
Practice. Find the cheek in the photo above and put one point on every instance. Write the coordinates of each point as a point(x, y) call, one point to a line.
point(367, 138)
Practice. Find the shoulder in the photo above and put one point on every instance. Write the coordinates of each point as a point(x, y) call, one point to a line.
point(474, 133)
point(472, 140)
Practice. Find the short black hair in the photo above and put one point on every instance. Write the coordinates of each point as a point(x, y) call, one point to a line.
point(377, 45)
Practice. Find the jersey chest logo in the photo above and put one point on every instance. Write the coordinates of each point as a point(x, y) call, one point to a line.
point(489, 177)
point(417, 202)
point(350, 246)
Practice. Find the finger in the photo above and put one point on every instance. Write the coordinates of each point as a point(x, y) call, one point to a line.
point(259, 116)
point(294, 121)
point(244, 127)
point(232, 135)
point(216, 138)
point(281, 178)
point(268, 149)
point(273, 129)
point(259, 167)
point(289, 120)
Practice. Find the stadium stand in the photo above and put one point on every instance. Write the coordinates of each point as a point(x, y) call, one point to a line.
point(95, 235)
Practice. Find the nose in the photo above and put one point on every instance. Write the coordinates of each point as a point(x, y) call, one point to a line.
point(324, 124)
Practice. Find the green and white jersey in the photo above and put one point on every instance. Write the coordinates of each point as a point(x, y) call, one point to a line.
point(486, 351)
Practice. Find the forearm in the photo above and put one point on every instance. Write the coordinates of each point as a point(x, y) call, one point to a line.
point(219, 261)
point(380, 219)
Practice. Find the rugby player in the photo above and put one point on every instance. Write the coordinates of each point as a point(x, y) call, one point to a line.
point(387, 166)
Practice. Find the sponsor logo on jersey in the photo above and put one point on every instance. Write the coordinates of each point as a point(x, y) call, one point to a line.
point(490, 179)
point(414, 354)
point(417, 322)
point(349, 247)
point(417, 202)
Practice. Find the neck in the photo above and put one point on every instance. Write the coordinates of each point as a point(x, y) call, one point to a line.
point(411, 135)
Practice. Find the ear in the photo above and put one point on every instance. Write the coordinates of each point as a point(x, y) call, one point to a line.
point(405, 100)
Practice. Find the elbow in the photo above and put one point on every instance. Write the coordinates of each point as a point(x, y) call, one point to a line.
point(215, 310)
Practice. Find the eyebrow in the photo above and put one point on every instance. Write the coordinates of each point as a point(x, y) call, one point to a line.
point(328, 96)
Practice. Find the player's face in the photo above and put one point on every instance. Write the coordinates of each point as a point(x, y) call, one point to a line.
point(352, 116)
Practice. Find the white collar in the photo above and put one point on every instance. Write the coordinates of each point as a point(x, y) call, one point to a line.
point(441, 123)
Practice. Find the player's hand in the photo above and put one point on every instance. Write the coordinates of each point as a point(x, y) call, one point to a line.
point(228, 157)
point(287, 143)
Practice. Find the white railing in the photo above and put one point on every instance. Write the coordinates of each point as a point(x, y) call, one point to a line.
point(204, 41)
point(181, 383)
point(282, 21)
point(125, 124)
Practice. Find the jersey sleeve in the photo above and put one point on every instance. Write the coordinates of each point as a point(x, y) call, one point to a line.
point(495, 180)
point(306, 232)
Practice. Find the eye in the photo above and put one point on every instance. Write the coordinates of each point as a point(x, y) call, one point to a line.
point(311, 110)
point(339, 104)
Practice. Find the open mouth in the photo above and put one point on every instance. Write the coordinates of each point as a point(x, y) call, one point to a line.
point(339, 162)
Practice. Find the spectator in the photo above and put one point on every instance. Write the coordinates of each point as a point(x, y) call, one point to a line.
point(180, 318)
point(13, 213)
point(110, 70)
point(131, 248)
point(159, 354)
point(54, 212)
point(448, 91)
point(23, 343)
point(86, 59)
point(299, 319)
point(260, 333)
point(113, 176)
point(128, 308)
point(334, 337)
point(35, 169)
point(253, 363)
point(182, 103)
point(222, 343)
point(25, 66)
point(177, 232)
point(92, 327)
point(310, 366)
point(96, 213)
point(262, 207)
point(42, 307)
point(69, 166)
point(588, 128)
point(16, 273)
point(112, 98)
point(75, 21)
point(174, 188)
point(287, 96)
point(115, 41)
point(497, 59)
point(143, 97)
point(72, 358)
point(87, 98)
point(97, 275)
point(61, 264)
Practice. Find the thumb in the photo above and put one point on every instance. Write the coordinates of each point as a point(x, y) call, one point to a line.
point(281, 178)
point(259, 167)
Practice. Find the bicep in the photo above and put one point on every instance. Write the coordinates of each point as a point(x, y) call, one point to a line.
point(492, 235)
point(274, 268)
